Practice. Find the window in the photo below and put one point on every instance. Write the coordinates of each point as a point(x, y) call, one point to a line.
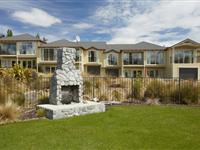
point(29, 64)
point(78, 55)
point(133, 73)
point(155, 57)
point(137, 73)
point(24, 64)
point(49, 54)
point(112, 59)
point(92, 56)
point(8, 49)
point(49, 69)
point(6, 63)
point(183, 56)
point(133, 58)
point(27, 48)
point(153, 73)
point(198, 56)
point(13, 63)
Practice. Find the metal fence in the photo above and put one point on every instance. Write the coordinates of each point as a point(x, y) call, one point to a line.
point(137, 90)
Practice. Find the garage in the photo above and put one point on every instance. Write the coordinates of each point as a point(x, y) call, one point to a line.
point(188, 73)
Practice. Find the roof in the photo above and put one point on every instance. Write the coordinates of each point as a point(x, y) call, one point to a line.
point(66, 43)
point(186, 41)
point(97, 45)
point(21, 37)
point(59, 43)
point(137, 46)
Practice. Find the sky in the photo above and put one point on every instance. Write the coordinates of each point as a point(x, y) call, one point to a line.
point(163, 22)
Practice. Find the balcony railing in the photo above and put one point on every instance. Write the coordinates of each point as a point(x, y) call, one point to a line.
point(8, 52)
point(136, 62)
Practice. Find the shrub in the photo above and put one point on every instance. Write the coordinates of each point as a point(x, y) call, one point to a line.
point(87, 86)
point(188, 93)
point(18, 98)
point(155, 89)
point(9, 111)
point(116, 95)
point(103, 97)
point(40, 112)
point(137, 88)
point(98, 83)
point(43, 100)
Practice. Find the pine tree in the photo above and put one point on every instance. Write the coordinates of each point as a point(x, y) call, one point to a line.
point(9, 33)
point(38, 36)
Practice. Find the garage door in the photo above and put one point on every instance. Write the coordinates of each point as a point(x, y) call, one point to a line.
point(188, 73)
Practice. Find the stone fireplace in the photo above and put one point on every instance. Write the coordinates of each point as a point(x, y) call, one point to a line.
point(69, 94)
point(66, 90)
point(66, 84)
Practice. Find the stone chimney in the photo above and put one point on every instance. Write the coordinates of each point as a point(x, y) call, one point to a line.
point(66, 84)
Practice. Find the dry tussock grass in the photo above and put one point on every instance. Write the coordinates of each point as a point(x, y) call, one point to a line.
point(9, 112)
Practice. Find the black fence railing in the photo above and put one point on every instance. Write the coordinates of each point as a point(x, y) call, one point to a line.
point(137, 90)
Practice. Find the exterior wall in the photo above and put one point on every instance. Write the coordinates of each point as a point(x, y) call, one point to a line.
point(21, 57)
point(172, 69)
point(169, 69)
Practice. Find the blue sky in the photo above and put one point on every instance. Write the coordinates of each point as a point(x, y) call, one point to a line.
point(164, 22)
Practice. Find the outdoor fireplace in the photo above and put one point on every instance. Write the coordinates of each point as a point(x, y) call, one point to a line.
point(66, 88)
point(66, 83)
point(69, 94)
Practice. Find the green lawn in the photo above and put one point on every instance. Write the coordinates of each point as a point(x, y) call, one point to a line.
point(120, 127)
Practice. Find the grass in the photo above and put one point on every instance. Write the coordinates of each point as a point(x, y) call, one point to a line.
point(120, 127)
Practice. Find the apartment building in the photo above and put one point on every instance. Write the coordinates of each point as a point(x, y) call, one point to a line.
point(21, 49)
point(102, 59)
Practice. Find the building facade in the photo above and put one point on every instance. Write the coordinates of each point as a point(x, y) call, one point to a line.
point(101, 59)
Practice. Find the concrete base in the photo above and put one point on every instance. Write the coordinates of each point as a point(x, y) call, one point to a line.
point(74, 109)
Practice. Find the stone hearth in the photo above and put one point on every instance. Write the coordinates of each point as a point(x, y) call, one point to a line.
point(66, 90)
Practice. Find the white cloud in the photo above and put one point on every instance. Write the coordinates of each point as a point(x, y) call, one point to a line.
point(36, 17)
point(83, 26)
point(141, 25)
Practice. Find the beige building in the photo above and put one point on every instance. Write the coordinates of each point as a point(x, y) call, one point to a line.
point(102, 59)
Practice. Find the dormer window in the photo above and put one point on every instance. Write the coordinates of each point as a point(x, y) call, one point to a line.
point(112, 59)
point(92, 56)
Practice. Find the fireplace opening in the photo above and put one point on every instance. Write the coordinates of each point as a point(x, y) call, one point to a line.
point(70, 94)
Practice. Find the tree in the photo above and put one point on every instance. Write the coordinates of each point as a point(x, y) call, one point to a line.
point(38, 36)
point(9, 33)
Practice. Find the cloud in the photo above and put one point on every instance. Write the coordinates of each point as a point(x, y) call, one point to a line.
point(36, 17)
point(164, 22)
point(83, 26)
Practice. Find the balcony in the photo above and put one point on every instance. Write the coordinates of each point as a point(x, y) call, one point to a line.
point(133, 59)
point(8, 49)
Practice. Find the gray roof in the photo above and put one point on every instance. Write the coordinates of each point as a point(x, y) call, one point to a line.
point(60, 43)
point(97, 45)
point(187, 41)
point(103, 45)
point(21, 37)
point(137, 46)
point(66, 43)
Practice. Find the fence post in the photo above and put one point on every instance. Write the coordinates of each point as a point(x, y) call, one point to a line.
point(93, 87)
point(179, 90)
point(132, 89)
